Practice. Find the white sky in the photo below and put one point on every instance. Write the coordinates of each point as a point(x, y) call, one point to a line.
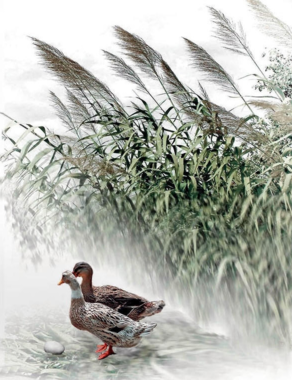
point(81, 29)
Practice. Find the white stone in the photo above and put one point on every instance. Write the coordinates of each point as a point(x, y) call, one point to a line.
point(53, 347)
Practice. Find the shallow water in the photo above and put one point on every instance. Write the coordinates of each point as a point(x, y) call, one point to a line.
point(177, 349)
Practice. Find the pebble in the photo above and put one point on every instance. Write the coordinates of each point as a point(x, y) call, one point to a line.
point(53, 347)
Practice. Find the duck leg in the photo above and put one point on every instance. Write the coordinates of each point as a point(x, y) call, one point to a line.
point(109, 352)
point(101, 347)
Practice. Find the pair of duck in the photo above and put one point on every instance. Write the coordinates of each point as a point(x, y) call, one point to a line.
point(110, 313)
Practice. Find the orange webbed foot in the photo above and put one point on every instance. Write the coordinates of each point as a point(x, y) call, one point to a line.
point(107, 353)
point(101, 347)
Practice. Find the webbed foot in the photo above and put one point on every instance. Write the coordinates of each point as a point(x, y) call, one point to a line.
point(101, 347)
point(109, 352)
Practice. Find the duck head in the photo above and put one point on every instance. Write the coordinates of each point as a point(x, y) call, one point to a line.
point(68, 278)
point(71, 280)
point(83, 270)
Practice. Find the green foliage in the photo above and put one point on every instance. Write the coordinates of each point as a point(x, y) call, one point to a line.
point(199, 193)
point(280, 73)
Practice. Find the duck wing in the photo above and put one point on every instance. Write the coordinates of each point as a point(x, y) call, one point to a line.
point(115, 297)
point(126, 303)
point(105, 318)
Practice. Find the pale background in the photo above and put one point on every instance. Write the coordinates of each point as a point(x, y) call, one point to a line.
point(81, 29)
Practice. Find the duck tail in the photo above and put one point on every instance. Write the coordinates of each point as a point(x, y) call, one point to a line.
point(146, 328)
point(157, 306)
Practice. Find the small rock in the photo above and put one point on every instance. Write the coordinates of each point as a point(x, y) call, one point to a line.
point(53, 347)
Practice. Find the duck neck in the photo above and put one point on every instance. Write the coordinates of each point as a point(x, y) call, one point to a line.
point(76, 295)
point(86, 285)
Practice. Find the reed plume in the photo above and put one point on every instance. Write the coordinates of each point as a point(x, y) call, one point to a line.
point(175, 87)
point(81, 82)
point(270, 24)
point(212, 70)
point(233, 38)
point(141, 54)
point(80, 113)
point(122, 69)
point(62, 111)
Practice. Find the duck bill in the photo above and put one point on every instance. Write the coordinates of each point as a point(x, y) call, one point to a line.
point(61, 282)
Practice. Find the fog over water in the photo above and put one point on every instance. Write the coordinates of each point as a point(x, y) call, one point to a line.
point(177, 348)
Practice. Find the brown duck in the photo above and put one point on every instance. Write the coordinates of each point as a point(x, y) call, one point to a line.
point(129, 304)
point(112, 327)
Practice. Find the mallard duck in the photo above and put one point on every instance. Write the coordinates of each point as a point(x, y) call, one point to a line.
point(112, 327)
point(129, 304)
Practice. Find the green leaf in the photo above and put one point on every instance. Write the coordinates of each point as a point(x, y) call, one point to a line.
point(38, 157)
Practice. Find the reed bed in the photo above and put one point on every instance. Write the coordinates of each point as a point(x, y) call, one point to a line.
point(197, 194)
